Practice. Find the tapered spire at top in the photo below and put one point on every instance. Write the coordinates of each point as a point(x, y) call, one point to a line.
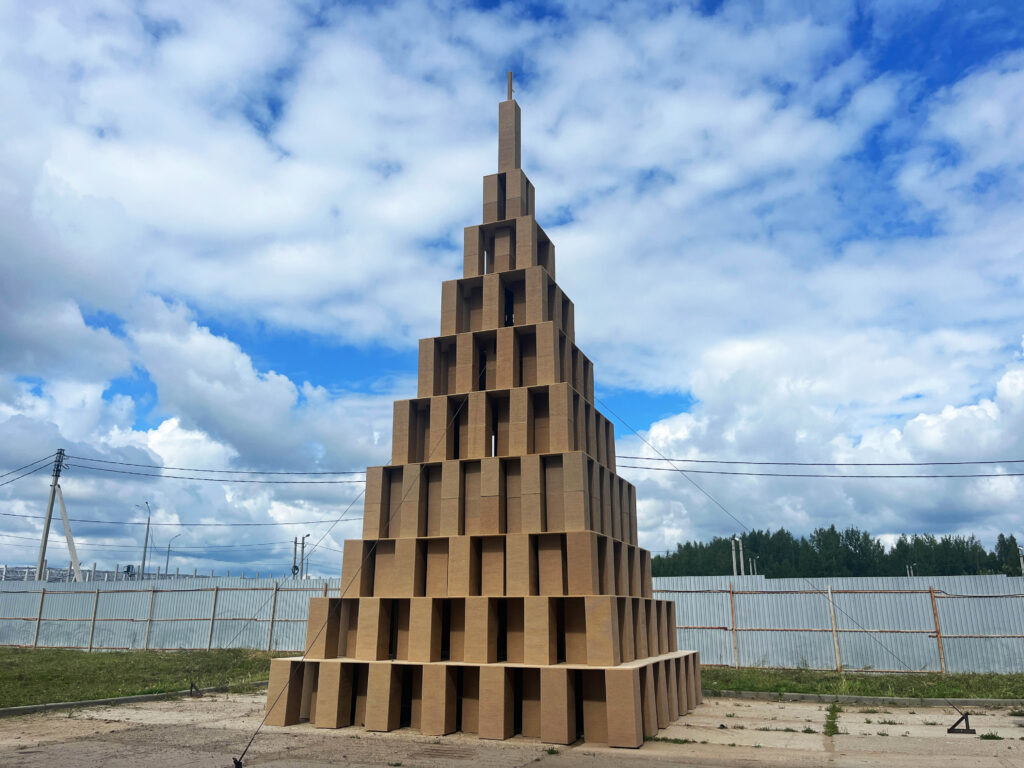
point(509, 147)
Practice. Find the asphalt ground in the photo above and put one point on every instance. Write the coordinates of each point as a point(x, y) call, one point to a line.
point(722, 732)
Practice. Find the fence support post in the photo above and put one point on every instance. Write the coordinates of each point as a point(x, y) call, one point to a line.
point(149, 618)
point(938, 631)
point(273, 610)
point(39, 616)
point(213, 615)
point(92, 626)
point(735, 642)
point(325, 588)
point(835, 637)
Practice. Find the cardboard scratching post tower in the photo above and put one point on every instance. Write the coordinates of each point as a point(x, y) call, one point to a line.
point(498, 587)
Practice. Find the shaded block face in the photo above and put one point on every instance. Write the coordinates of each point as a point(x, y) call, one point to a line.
point(498, 587)
point(439, 700)
point(334, 695)
point(284, 692)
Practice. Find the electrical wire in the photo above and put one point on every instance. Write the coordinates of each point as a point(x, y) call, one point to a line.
point(215, 479)
point(827, 464)
point(57, 539)
point(217, 471)
point(31, 463)
point(26, 474)
point(186, 524)
point(816, 475)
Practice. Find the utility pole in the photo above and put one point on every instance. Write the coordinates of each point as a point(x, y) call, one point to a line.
point(740, 541)
point(167, 560)
point(302, 561)
point(1020, 554)
point(732, 542)
point(75, 567)
point(295, 556)
point(58, 464)
point(145, 544)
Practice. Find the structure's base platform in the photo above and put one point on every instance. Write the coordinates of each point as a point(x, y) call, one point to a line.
point(619, 705)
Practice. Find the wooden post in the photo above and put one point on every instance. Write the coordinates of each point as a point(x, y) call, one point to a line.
point(273, 610)
point(149, 618)
point(735, 642)
point(92, 626)
point(938, 631)
point(325, 588)
point(835, 637)
point(39, 616)
point(213, 615)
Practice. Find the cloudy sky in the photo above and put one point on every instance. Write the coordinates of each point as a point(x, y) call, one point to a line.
point(790, 233)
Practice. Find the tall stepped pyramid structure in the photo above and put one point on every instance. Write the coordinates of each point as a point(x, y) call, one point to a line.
point(498, 587)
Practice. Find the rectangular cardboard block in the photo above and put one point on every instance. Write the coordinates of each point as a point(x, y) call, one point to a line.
point(383, 697)
point(497, 705)
point(284, 692)
point(334, 695)
point(322, 627)
point(557, 705)
point(622, 689)
point(439, 700)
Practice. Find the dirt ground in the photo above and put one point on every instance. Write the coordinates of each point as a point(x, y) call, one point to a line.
point(722, 732)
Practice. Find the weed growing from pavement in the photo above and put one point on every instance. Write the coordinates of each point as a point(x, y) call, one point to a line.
point(832, 719)
point(991, 736)
point(1016, 713)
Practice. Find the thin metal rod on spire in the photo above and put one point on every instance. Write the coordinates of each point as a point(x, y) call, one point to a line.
point(510, 85)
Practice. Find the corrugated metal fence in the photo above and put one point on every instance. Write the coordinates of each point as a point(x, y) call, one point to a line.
point(951, 624)
point(922, 624)
point(172, 613)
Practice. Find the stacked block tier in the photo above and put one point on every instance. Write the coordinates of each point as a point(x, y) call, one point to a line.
point(619, 706)
point(498, 587)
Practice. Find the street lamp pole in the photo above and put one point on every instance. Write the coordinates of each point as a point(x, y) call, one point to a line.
point(302, 574)
point(145, 544)
point(167, 560)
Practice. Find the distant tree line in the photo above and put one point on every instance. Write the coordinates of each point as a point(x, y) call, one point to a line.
point(851, 552)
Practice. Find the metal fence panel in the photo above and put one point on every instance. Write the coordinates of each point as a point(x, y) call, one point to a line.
point(879, 624)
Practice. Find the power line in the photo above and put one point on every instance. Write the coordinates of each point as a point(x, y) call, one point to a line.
point(31, 463)
point(826, 464)
point(26, 474)
point(811, 474)
point(195, 525)
point(215, 479)
point(176, 548)
point(218, 471)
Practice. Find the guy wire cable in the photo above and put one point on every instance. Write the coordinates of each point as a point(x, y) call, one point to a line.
point(814, 589)
point(237, 761)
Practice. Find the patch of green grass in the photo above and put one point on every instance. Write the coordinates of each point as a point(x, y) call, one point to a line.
point(672, 741)
point(930, 722)
point(881, 733)
point(889, 722)
point(808, 729)
point(1016, 713)
point(46, 675)
point(551, 750)
point(832, 720)
point(991, 736)
point(909, 685)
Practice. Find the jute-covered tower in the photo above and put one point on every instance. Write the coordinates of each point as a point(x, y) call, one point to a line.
point(498, 587)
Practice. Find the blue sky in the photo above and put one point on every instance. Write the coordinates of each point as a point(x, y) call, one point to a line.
point(791, 232)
